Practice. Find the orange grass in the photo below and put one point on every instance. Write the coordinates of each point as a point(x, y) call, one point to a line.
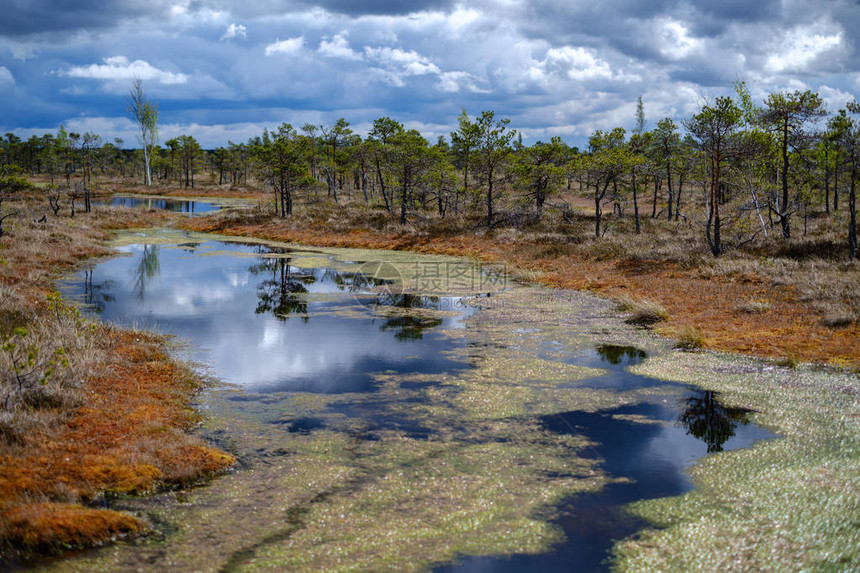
point(44, 526)
point(788, 328)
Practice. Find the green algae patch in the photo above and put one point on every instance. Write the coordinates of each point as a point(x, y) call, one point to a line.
point(428, 501)
point(504, 388)
point(152, 236)
point(405, 272)
point(791, 503)
point(333, 500)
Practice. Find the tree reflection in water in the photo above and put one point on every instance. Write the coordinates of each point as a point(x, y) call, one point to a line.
point(96, 295)
point(352, 282)
point(285, 292)
point(148, 267)
point(615, 355)
point(705, 418)
point(408, 327)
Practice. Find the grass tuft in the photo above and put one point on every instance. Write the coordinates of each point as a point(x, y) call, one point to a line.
point(643, 311)
point(838, 317)
point(51, 527)
point(787, 361)
point(689, 337)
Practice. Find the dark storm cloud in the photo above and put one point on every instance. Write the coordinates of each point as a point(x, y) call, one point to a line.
point(629, 26)
point(28, 17)
point(745, 10)
point(382, 7)
point(707, 75)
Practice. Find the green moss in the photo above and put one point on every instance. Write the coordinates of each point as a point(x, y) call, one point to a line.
point(424, 501)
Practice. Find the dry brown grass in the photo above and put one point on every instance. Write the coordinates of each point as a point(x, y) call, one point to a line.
point(86, 410)
point(204, 185)
point(42, 368)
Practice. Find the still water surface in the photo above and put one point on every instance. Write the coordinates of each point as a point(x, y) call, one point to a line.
point(281, 324)
point(262, 323)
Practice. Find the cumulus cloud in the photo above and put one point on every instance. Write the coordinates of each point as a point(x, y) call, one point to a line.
point(338, 47)
point(454, 82)
point(396, 64)
point(410, 61)
point(235, 31)
point(289, 46)
point(571, 62)
point(676, 40)
point(120, 68)
point(188, 15)
point(801, 47)
point(836, 99)
point(460, 21)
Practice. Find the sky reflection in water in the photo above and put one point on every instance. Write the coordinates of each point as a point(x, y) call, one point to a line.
point(266, 325)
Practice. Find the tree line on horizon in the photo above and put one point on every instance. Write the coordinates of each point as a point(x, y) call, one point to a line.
point(740, 168)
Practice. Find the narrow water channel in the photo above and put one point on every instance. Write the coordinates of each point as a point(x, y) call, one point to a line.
point(383, 421)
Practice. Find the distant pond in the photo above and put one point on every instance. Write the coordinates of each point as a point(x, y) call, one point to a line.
point(188, 206)
point(391, 410)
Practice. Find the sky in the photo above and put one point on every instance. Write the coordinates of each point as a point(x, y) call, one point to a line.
point(223, 70)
